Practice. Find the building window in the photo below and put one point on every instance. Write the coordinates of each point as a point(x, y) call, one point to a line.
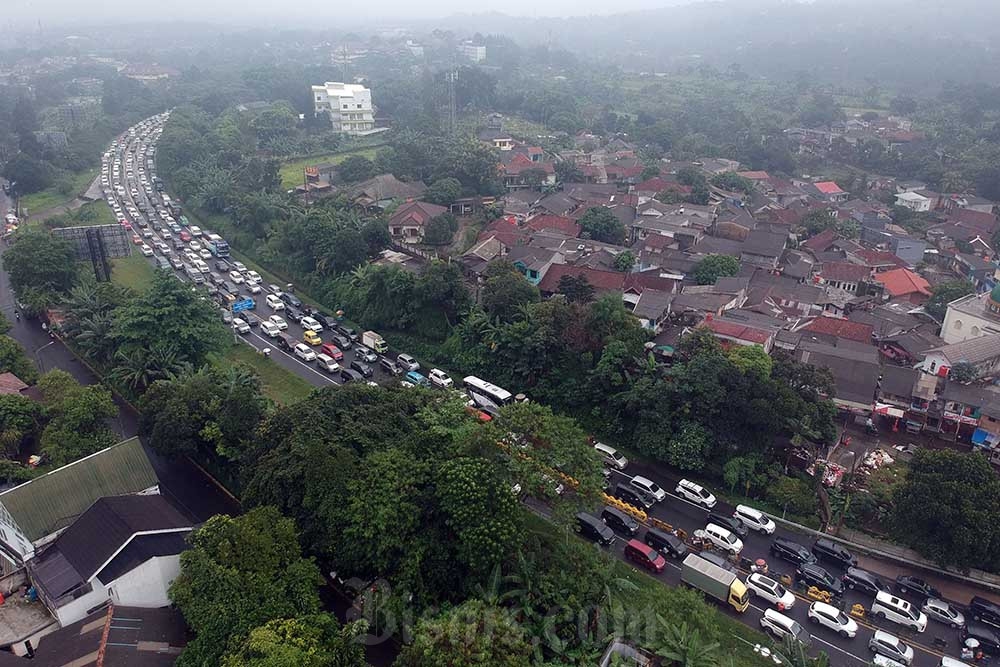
point(958, 325)
point(975, 331)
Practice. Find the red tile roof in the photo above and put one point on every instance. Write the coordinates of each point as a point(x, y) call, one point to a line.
point(600, 280)
point(828, 187)
point(754, 175)
point(11, 384)
point(821, 241)
point(845, 271)
point(737, 331)
point(660, 184)
point(657, 242)
point(563, 224)
point(649, 279)
point(879, 258)
point(986, 222)
point(900, 282)
point(834, 326)
point(416, 212)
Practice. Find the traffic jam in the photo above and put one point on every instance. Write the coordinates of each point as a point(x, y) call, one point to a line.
point(787, 584)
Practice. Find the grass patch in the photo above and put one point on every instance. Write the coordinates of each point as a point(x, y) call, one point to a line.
point(278, 384)
point(134, 272)
point(291, 172)
point(37, 202)
point(91, 214)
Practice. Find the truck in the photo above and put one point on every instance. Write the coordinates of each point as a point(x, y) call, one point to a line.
point(373, 341)
point(715, 581)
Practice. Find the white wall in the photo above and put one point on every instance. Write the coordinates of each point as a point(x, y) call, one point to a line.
point(77, 609)
point(146, 585)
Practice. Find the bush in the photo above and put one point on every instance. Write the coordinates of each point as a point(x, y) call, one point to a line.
point(794, 495)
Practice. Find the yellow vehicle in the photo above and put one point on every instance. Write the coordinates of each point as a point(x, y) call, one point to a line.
point(312, 338)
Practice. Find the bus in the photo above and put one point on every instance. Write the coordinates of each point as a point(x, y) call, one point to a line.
point(486, 395)
point(218, 246)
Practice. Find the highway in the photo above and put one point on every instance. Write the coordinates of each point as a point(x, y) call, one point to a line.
point(136, 148)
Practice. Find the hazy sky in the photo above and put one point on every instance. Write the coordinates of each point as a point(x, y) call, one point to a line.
point(238, 12)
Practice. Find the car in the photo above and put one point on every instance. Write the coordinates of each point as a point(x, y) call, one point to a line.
point(304, 352)
point(406, 362)
point(417, 380)
point(194, 229)
point(291, 300)
point(270, 328)
point(274, 302)
point(782, 627)
point(331, 351)
point(907, 583)
point(278, 321)
point(766, 588)
point(619, 520)
point(240, 266)
point(729, 523)
point(365, 355)
point(136, 239)
point(327, 363)
point(981, 609)
point(185, 236)
point(176, 262)
point(695, 493)
point(311, 337)
point(645, 556)
point(888, 607)
point(594, 529)
point(611, 456)
point(667, 544)
point(162, 263)
point(828, 550)
point(363, 368)
point(221, 266)
point(987, 637)
point(649, 487)
point(311, 324)
point(348, 331)
point(793, 552)
point(204, 253)
point(723, 539)
point(815, 575)
point(890, 646)
point(349, 375)
point(342, 342)
point(821, 613)
point(439, 378)
point(240, 326)
point(866, 581)
point(632, 496)
point(294, 314)
point(195, 246)
point(146, 250)
point(943, 612)
point(253, 288)
point(227, 317)
point(390, 366)
point(253, 276)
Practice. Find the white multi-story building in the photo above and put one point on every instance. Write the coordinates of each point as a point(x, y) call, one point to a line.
point(349, 106)
point(473, 52)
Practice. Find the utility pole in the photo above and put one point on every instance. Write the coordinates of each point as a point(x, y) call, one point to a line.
point(347, 69)
point(452, 77)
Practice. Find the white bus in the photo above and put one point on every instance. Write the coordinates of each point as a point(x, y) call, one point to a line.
point(486, 395)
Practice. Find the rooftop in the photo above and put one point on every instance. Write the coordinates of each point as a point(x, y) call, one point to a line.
point(973, 350)
point(900, 282)
point(828, 188)
point(844, 272)
point(834, 326)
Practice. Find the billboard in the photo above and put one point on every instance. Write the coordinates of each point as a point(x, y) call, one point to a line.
point(97, 244)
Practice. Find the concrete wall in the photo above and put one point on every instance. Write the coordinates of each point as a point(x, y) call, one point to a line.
point(75, 610)
point(146, 585)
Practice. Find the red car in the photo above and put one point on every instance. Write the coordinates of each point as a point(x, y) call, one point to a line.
point(136, 239)
point(332, 350)
point(185, 236)
point(645, 556)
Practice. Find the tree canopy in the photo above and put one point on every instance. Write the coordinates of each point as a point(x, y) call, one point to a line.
point(713, 267)
point(600, 224)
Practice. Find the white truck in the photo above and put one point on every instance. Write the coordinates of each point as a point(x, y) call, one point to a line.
point(373, 341)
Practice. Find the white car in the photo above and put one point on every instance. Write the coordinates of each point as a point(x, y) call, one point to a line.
point(146, 250)
point(194, 229)
point(254, 288)
point(236, 277)
point(205, 253)
point(649, 487)
point(241, 326)
point(274, 302)
point(695, 493)
point(768, 589)
point(311, 324)
point(829, 616)
point(611, 456)
point(724, 539)
point(194, 246)
point(278, 321)
point(439, 378)
point(304, 352)
point(270, 328)
point(253, 277)
point(190, 256)
point(240, 266)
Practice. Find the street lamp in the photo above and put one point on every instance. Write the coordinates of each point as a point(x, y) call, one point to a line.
point(38, 359)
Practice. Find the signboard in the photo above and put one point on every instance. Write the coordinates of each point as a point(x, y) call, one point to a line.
point(97, 244)
point(246, 304)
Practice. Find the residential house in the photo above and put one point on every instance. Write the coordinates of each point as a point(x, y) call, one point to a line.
point(494, 134)
point(844, 276)
point(896, 388)
point(832, 328)
point(904, 285)
point(735, 333)
point(913, 201)
point(796, 300)
point(558, 223)
point(962, 409)
point(603, 282)
point(653, 308)
point(408, 222)
point(968, 202)
point(533, 261)
point(821, 242)
point(855, 381)
point(475, 260)
point(122, 549)
point(972, 316)
point(877, 260)
point(982, 352)
point(826, 191)
point(379, 192)
point(974, 269)
point(763, 248)
point(522, 172)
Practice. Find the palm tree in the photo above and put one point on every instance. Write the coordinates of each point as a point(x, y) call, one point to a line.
point(682, 646)
point(93, 337)
point(793, 654)
point(239, 376)
point(132, 369)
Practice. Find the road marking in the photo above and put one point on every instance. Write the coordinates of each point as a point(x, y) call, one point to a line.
point(292, 356)
point(863, 661)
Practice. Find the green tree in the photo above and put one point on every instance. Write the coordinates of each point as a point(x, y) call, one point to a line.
point(688, 448)
point(472, 634)
point(690, 176)
point(944, 293)
point(440, 229)
point(13, 359)
point(600, 224)
point(78, 417)
point(947, 509)
point(733, 182)
point(713, 267)
point(752, 359)
point(506, 291)
point(239, 574)
point(818, 221)
point(317, 640)
point(444, 191)
point(20, 419)
point(625, 261)
point(649, 171)
point(36, 260)
point(793, 494)
point(963, 372)
point(29, 173)
point(576, 289)
point(356, 168)
point(682, 646)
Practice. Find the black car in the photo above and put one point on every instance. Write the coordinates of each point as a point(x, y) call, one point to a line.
point(832, 552)
point(866, 581)
point(221, 266)
point(342, 342)
point(985, 635)
point(390, 366)
point(294, 314)
point(909, 584)
point(363, 368)
point(981, 609)
point(178, 244)
point(291, 300)
point(793, 552)
point(347, 332)
point(667, 544)
point(728, 522)
point(348, 375)
point(251, 319)
point(619, 520)
point(328, 322)
point(814, 575)
point(286, 342)
point(718, 560)
point(632, 497)
point(594, 529)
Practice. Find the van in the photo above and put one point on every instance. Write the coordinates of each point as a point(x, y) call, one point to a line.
point(649, 487)
point(724, 539)
point(645, 556)
point(611, 456)
point(286, 342)
point(417, 379)
point(888, 606)
point(274, 302)
point(754, 519)
point(667, 544)
point(194, 275)
point(619, 520)
point(780, 626)
point(327, 363)
point(633, 496)
point(594, 529)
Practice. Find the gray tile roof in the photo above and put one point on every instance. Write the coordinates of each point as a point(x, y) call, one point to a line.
point(974, 350)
